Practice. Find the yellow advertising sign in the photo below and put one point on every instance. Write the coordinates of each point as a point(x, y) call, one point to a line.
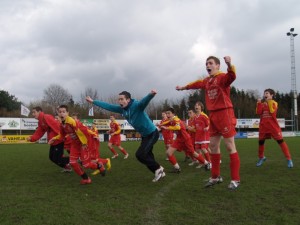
point(13, 139)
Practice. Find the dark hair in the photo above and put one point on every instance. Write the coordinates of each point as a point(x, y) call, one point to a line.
point(217, 60)
point(38, 109)
point(172, 110)
point(64, 107)
point(126, 94)
point(201, 104)
point(271, 91)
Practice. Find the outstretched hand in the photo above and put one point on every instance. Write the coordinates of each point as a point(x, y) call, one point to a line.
point(89, 99)
point(179, 88)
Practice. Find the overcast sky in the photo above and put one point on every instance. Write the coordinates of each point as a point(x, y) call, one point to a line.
point(139, 45)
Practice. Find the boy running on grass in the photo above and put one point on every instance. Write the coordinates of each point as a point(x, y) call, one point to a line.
point(79, 144)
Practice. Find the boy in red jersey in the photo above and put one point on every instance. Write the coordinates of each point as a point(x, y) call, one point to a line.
point(183, 141)
point(94, 149)
point(168, 135)
point(79, 145)
point(115, 138)
point(190, 127)
point(47, 123)
point(202, 131)
point(269, 127)
point(221, 115)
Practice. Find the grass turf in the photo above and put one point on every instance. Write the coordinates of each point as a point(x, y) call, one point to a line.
point(34, 191)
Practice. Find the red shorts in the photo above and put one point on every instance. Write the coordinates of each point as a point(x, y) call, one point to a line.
point(201, 146)
point(184, 146)
point(115, 140)
point(276, 135)
point(77, 152)
point(222, 122)
point(168, 141)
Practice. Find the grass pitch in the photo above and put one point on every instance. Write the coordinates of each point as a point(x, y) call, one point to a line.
point(34, 191)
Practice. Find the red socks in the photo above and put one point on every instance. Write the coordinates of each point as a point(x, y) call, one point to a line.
point(215, 165)
point(285, 150)
point(235, 166)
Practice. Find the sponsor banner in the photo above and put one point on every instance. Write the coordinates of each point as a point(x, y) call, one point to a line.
point(10, 123)
point(241, 135)
point(13, 139)
point(103, 124)
point(125, 125)
point(254, 123)
point(29, 123)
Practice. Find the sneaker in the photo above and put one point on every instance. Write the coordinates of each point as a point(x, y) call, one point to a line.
point(126, 156)
point(233, 185)
point(175, 170)
point(115, 156)
point(159, 173)
point(207, 166)
point(199, 166)
point(290, 164)
point(212, 181)
point(108, 164)
point(86, 181)
point(193, 163)
point(261, 161)
point(67, 169)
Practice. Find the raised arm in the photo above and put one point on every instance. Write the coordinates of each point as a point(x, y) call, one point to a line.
point(104, 105)
point(145, 101)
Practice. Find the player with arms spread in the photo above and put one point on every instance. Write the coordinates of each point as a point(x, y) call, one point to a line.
point(134, 112)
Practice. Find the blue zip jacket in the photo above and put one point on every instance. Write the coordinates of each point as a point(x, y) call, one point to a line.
point(134, 113)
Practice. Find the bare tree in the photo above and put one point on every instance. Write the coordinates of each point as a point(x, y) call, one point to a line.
point(56, 95)
point(88, 92)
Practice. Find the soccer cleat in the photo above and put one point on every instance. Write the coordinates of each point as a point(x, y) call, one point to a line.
point(207, 167)
point(126, 156)
point(86, 181)
point(233, 185)
point(108, 164)
point(67, 169)
point(96, 172)
point(212, 181)
point(175, 170)
point(290, 163)
point(115, 156)
point(167, 159)
point(186, 159)
point(193, 163)
point(159, 173)
point(261, 161)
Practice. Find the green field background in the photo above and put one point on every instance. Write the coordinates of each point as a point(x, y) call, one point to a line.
point(34, 191)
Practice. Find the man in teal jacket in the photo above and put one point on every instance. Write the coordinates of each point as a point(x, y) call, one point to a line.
point(134, 113)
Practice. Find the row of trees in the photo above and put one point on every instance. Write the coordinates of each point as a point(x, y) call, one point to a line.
point(55, 95)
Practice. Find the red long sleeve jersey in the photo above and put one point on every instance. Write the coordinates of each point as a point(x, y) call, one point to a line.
point(201, 122)
point(267, 111)
point(75, 129)
point(178, 127)
point(217, 89)
point(46, 123)
point(191, 123)
point(114, 127)
point(167, 134)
